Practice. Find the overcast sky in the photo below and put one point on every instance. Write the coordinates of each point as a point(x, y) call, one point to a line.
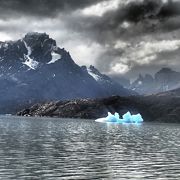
point(117, 36)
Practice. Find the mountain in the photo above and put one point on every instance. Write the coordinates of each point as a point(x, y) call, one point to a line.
point(144, 84)
point(168, 79)
point(35, 69)
point(106, 83)
point(158, 108)
point(125, 82)
point(164, 80)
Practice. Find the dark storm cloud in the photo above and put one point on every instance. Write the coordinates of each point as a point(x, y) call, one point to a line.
point(131, 22)
point(148, 18)
point(43, 8)
point(150, 9)
point(144, 16)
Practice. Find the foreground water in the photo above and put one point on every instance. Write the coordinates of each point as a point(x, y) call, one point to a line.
point(32, 148)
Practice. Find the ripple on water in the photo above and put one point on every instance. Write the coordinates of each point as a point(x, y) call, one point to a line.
point(32, 148)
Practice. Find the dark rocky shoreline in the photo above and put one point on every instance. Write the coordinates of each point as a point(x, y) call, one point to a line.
point(158, 108)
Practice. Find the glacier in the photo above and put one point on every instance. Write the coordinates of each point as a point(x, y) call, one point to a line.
point(126, 118)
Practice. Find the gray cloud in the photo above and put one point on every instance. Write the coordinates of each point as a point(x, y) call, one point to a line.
point(145, 16)
point(44, 8)
point(139, 21)
point(115, 39)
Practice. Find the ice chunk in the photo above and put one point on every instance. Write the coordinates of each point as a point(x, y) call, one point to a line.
point(116, 115)
point(111, 118)
point(103, 120)
point(126, 118)
point(137, 118)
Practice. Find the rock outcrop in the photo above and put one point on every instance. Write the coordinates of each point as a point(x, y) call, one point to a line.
point(158, 108)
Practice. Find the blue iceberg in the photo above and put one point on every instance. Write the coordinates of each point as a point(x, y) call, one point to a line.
point(126, 118)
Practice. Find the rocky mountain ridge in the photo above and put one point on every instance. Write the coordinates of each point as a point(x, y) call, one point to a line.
point(164, 80)
point(34, 69)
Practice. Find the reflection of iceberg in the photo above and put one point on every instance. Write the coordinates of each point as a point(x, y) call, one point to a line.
point(126, 118)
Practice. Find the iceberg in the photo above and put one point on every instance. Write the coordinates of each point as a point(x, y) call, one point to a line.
point(126, 118)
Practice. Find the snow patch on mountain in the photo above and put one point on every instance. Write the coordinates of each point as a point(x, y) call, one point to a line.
point(28, 49)
point(5, 45)
point(55, 57)
point(95, 76)
point(32, 64)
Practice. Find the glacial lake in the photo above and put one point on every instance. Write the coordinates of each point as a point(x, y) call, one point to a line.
point(46, 148)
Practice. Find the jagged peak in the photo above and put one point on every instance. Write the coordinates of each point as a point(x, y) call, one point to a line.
point(93, 69)
point(29, 35)
point(36, 34)
point(140, 76)
point(38, 38)
point(148, 76)
point(34, 50)
point(84, 67)
point(165, 70)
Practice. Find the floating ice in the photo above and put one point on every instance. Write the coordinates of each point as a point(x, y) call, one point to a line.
point(126, 118)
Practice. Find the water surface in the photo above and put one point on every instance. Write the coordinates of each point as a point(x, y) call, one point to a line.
point(39, 148)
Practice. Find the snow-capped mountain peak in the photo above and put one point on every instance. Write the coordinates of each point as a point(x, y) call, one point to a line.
point(93, 74)
point(37, 69)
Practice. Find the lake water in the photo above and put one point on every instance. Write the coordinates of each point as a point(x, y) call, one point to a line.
point(39, 148)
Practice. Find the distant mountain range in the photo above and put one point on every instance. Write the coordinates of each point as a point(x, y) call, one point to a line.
point(35, 69)
point(164, 80)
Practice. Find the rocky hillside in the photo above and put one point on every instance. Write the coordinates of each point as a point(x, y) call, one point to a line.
point(159, 108)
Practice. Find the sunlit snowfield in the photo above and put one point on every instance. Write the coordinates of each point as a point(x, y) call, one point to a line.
point(37, 148)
